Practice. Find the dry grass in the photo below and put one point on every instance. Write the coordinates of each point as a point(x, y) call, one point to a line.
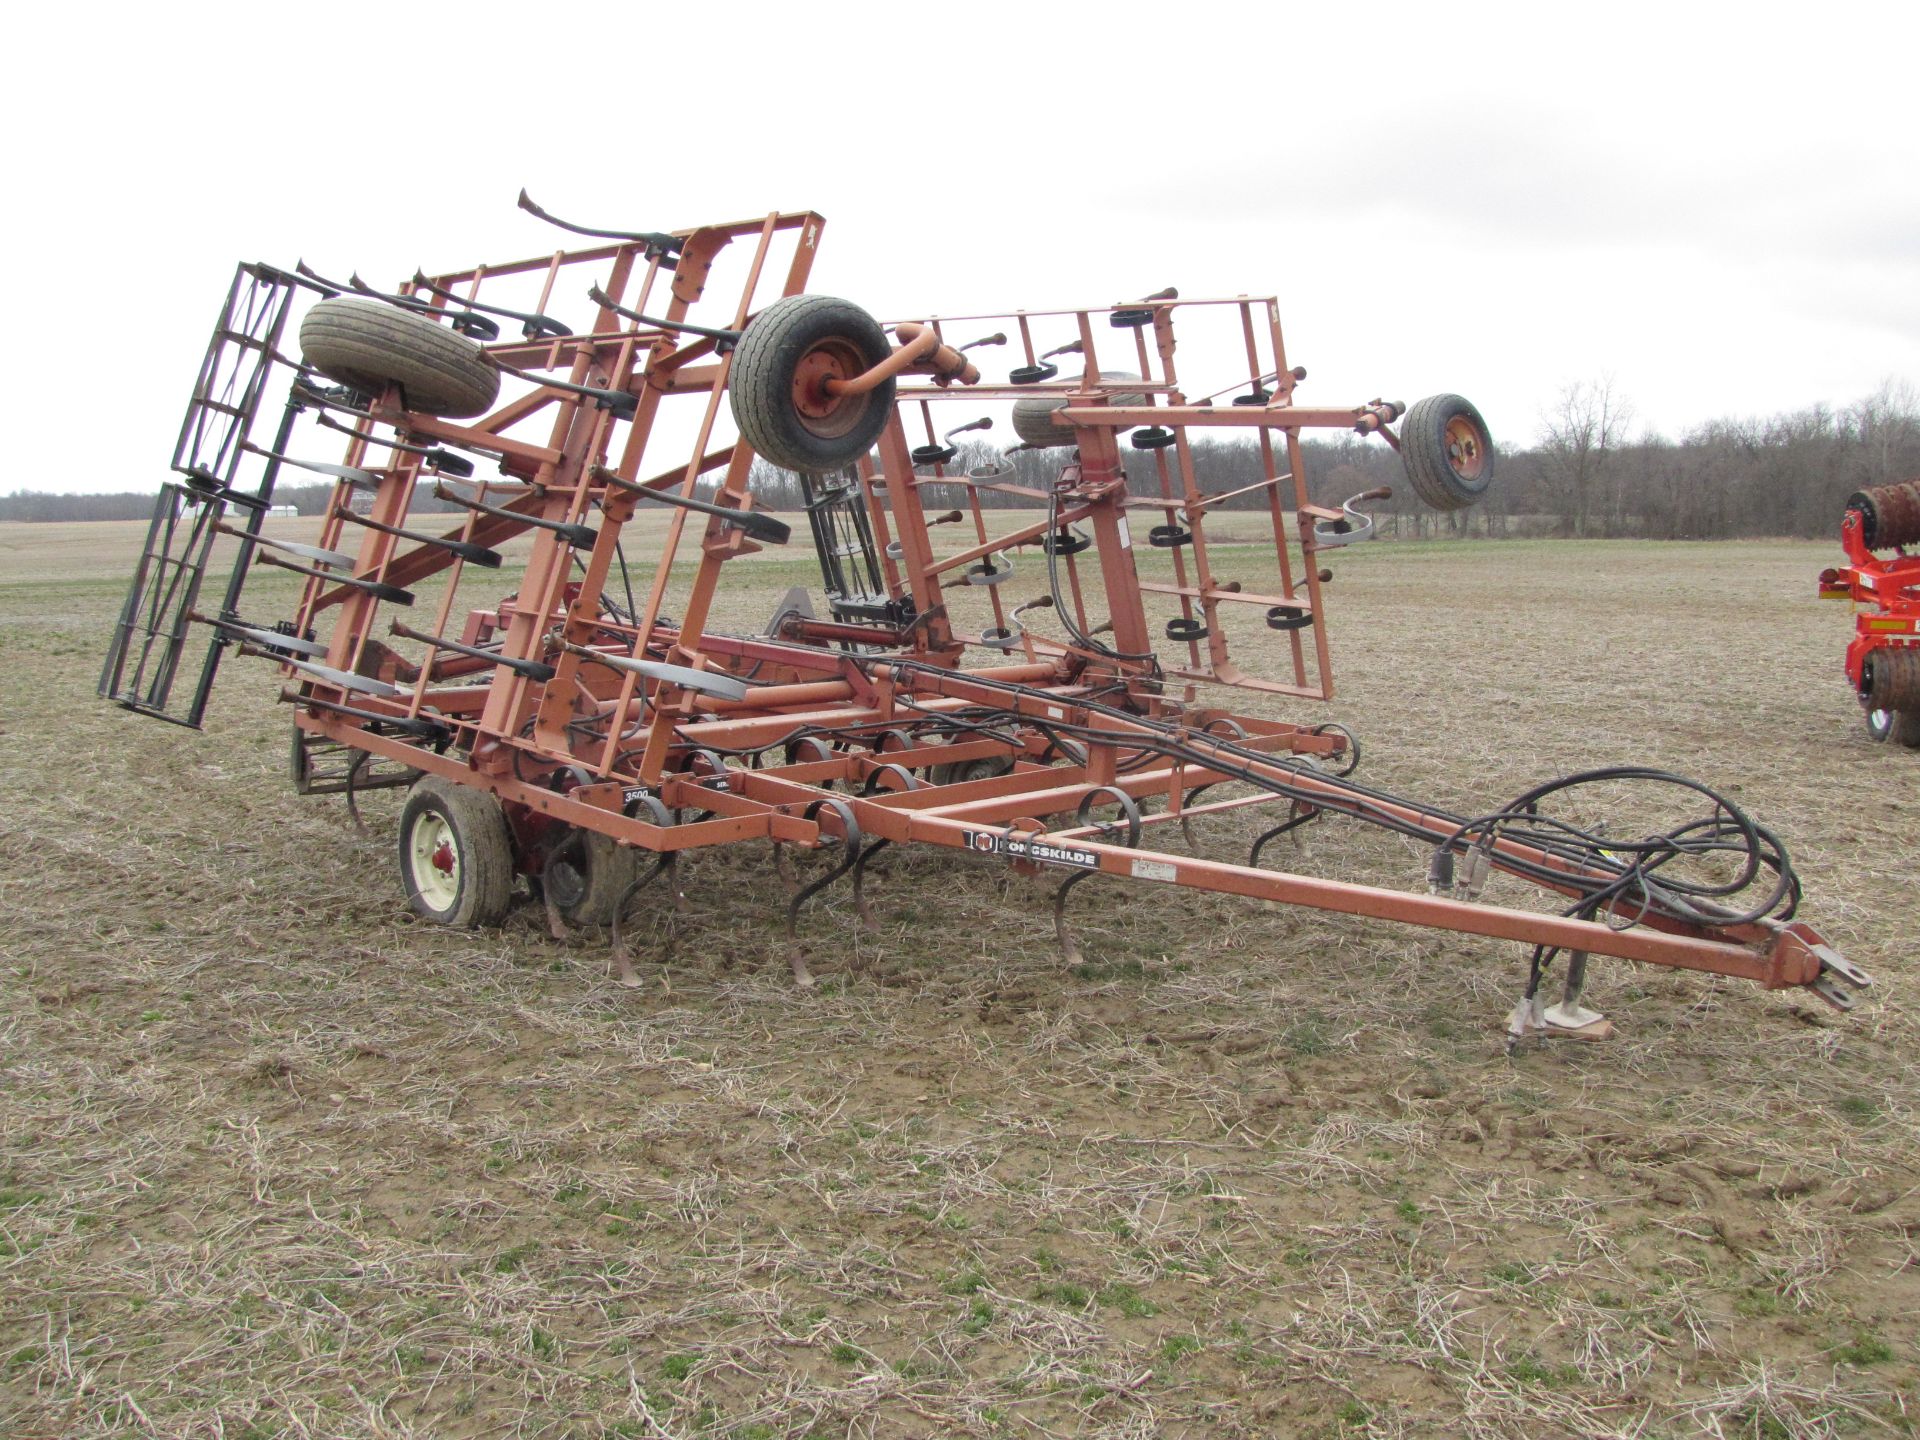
point(276, 1162)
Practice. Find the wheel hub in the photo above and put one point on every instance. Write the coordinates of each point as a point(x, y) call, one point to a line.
point(1464, 449)
point(824, 414)
point(433, 861)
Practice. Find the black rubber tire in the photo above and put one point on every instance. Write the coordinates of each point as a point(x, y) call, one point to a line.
point(760, 388)
point(299, 763)
point(369, 344)
point(1446, 473)
point(1906, 729)
point(598, 874)
point(473, 823)
point(958, 772)
point(1033, 417)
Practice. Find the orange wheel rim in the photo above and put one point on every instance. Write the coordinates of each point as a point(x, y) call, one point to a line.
point(1466, 448)
point(828, 416)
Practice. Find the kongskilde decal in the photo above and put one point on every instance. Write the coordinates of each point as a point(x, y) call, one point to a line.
point(1019, 847)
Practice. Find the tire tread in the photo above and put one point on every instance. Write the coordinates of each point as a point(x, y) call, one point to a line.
point(480, 827)
point(1423, 453)
point(367, 343)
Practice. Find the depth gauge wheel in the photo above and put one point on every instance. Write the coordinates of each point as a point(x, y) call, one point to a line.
point(587, 875)
point(1447, 451)
point(789, 352)
point(369, 345)
point(456, 857)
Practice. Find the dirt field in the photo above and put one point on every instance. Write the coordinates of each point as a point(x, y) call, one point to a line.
point(276, 1161)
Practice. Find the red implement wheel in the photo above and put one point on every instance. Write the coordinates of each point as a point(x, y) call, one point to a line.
point(778, 384)
point(456, 857)
point(370, 345)
point(1447, 451)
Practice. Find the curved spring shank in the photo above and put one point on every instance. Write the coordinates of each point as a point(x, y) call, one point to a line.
point(1129, 816)
point(667, 866)
point(850, 846)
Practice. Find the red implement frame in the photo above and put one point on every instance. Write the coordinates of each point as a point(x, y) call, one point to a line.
point(1883, 658)
point(827, 733)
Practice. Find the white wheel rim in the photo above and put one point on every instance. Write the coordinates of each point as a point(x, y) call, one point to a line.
point(433, 860)
point(1880, 722)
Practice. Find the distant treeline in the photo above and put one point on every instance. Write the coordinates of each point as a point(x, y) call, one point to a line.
point(1784, 475)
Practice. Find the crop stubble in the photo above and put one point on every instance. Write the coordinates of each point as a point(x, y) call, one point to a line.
point(275, 1160)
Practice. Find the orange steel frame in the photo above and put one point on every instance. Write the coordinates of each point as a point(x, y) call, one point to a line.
point(612, 751)
point(1886, 597)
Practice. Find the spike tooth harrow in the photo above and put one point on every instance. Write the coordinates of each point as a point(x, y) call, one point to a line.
point(566, 712)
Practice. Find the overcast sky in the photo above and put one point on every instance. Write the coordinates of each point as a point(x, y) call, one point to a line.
point(1716, 205)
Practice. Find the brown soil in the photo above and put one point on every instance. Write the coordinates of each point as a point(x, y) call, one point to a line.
point(275, 1161)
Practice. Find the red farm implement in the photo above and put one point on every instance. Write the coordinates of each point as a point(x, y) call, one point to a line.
point(1883, 659)
point(584, 734)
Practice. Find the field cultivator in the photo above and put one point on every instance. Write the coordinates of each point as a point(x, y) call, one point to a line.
point(1883, 659)
point(584, 736)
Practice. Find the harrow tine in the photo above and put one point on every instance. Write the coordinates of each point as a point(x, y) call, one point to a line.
point(1070, 950)
point(419, 727)
point(622, 403)
point(342, 679)
point(849, 843)
point(465, 549)
point(355, 476)
point(533, 325)
point(362, 759)
point(581, 537)
point(373, 587)
point(724, 340)
point(556, 923)
point(318, 281)
point(534, 670)
point(860, 906)
point(334, 397)
point(265, 639)
point(333, 559)
point(667, 868)
point(1186, 820)
point(660, 246)
point(783, 867)
point(477, 327)
point(1298, 813)
point(706, 682)
point(754, 524)
point(439, 457)
point(1129, 817)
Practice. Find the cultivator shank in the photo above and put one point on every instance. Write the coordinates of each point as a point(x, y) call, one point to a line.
point(1028, 692)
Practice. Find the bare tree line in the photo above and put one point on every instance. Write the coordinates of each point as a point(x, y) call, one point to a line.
point(1585, 475)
